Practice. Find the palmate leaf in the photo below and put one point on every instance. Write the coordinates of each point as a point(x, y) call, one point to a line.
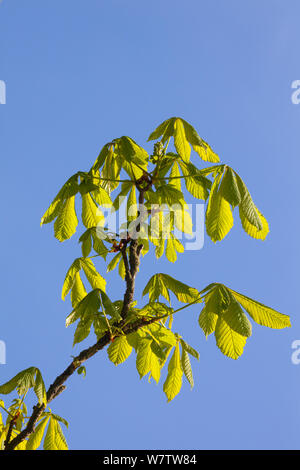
point(184, 135)
point(169, 195)
point(87, 307)
point(173, 246)
point(90, 239)
point(160, 284)
point(130, 151)
point(87, 312)
point(54, 439)
point(223, 314)
point(23, 381)
point(165, 130)
point(74, 283)
point(228, 190)
point(69, 189)
point(197, 184)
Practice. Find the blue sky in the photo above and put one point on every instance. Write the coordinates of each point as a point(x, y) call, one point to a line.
point(81, 73)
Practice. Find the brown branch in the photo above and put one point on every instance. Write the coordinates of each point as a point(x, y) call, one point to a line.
point(58, 386)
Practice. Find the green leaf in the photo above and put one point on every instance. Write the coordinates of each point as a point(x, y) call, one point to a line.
point(91, 215)
point(114, 262)
point(60, 440)
point(160, 284)
point(81, 371)
point(174, 179)
point(69, 189)
point(251, 229)
point(247, 206)
point(180, 140)
point(92, 275)
point(236, 319)
point(169, 195)
point(101, 158)
point(186, 367)
point(146, 359)
point(189, 349)
point(165, 129)
point(78, 291)
point(229, 188)
point(173, 382)
point(217, 301)
point(49, 441)
point(208, 321)
point(66, 222)
point(219, 219)
point(102, 197)
point(196, 185)
point(23, 381)
point(35, 439)
point(229, 341)
point(125, 188)
point(111, 170)
point(70, 278)
point(87, 307)
point(54, 439)
point(128, 149)
point(119, 350)
point(184, 134)
point(39, 388)
point(262, 314)
point(83, 329)
point(171, 250)
point(109, 307)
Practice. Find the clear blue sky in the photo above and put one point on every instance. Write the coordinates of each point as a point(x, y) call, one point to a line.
point(81, 73)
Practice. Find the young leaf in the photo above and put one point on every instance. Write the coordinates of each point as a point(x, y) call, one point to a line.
point(219, 219)
point(91, 215)
point(69, 189)
point(262, 314)
point(173, 382)
point(229, 341)
point(119, 350)
point(66, 222)
point(92, 275)
point(70, 278)
point(35, 439)
point(186, 367)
